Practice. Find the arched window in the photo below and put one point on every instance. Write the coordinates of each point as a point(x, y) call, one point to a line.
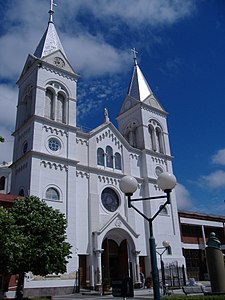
point(152, 137)
point(52, 194)
point(118, 165)
point(60, 116)
point(159, 140)
point(21, 192)
point(156, 136)
point(100, 157)
point(130, 133)
point(2, 183)
point(109, 157)
point(49, 104)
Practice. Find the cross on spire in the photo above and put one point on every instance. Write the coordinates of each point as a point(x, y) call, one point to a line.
point(134, 55)
point(51, 11)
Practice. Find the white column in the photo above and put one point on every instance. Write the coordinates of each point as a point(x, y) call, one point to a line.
point(99, 266)
point(137, 267)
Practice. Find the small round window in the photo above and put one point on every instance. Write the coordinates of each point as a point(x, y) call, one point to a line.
point(54, 144)
point(110, 199)
point(158, 170)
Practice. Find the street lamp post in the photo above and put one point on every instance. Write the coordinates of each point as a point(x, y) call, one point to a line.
point(128, 186)
point(165, 247)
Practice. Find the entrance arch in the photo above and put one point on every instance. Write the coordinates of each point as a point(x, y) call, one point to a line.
point(114, 260)
point(117, 257)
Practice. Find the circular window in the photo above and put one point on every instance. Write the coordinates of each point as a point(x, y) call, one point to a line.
point(110, 199)
point(158, 170)
point(54, 145)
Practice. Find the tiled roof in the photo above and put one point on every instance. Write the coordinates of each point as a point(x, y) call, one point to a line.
point(7, 199)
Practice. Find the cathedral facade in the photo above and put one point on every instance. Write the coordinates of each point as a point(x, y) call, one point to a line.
point(79, 172)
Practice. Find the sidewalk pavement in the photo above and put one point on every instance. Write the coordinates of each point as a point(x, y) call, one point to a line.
point(138, 294)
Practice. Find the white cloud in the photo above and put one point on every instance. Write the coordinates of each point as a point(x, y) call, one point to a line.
point(214, 180)
point(94, 97)
point(134, 13)
point(6, 148)
point(183, 197)
point(219, 157)
point(7, 117)
point(26, 19)
point(8, 98)
point(92, 56)
point(91, 51)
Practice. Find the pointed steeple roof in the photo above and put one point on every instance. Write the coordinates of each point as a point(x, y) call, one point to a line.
point(139, 88)
point(50, 41)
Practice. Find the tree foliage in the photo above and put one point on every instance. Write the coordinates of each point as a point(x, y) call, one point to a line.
point(33, 238)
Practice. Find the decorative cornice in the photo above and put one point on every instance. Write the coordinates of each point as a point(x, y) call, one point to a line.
point(55, 130)
point(134, 156)
point(158, 160)
point(24, 133)
point(81, 141)
point(57, 72)
point(55, 166)
point(82, 174)
point(109, 180)
point(21, 167)
point(108, 134)
point(154, 111)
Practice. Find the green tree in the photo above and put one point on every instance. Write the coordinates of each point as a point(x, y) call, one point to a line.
point(36, 242)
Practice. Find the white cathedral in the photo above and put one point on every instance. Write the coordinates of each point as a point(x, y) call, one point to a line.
point(79, 172)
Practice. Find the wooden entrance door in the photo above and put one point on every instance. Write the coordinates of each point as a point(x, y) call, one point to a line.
point(114, 260)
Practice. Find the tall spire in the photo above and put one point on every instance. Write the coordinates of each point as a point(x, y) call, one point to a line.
point(50, 41)
point(139, 88)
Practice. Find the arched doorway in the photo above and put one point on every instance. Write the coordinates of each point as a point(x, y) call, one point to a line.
point(114, 260)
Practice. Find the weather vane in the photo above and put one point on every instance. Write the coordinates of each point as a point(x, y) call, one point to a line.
point(134, 55)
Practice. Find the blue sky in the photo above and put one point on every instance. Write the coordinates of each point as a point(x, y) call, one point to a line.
point(181, 52)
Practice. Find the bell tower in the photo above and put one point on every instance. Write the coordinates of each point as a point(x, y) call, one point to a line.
point(46, 110)
point(142, 120)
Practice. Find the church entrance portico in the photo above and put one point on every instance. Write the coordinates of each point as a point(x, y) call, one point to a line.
point(117, 258)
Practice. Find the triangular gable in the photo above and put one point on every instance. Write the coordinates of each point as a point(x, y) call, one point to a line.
point(30, 60)
point(128, 103)
point(154, 102)
point(58, 59)
point(118, 221)
point(109, 130)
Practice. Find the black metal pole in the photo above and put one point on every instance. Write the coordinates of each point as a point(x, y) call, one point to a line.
point(163, 275)
point(155, 271)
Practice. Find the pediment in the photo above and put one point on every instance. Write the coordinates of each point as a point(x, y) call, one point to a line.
point(128, 103)
point(117, 221)
point(58, 59)
point(153, 102)
point(30, 60)
point(110, 132)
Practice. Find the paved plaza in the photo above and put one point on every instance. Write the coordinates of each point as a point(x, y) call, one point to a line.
point(138, 294)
